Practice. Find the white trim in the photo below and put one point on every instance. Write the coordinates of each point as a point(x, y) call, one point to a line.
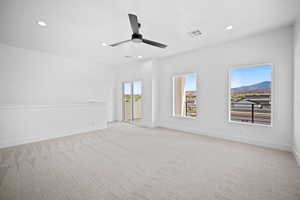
point(229, 93)
point(183, 117)
point(284, 147)
point(297, 155)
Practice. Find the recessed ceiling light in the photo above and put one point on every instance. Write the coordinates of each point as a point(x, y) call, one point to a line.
point(104, 44)
point(42, 23)
point(140, 56)
point(230, 27)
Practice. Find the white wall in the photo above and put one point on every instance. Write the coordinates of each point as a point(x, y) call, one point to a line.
point(34, 79)
point(297, 90)
point(212, 65)
point(29, 123)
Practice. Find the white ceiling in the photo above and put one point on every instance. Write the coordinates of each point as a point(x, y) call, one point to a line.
point(76, 28)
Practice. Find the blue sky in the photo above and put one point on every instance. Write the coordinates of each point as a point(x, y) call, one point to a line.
point(191, 82)
point(137, 88)
point(251, 75)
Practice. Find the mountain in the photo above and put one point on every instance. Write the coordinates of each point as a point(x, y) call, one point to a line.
point(262, 86)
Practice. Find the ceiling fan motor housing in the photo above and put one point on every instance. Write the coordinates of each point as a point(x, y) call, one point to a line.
point(137, 38)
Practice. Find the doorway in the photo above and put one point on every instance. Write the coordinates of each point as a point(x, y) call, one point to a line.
point(132, 101)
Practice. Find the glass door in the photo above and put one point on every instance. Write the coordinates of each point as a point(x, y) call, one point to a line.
point(127, 102)
point(132, 101)
point(137, 100)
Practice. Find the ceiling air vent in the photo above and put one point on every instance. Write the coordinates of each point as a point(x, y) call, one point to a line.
point(195, 33)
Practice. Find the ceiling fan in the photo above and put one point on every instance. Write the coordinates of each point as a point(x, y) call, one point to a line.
point(136, 36)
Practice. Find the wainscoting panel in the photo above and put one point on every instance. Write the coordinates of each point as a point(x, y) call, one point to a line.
point(21, 124)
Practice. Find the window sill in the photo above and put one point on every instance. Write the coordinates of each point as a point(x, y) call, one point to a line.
point(250, 124)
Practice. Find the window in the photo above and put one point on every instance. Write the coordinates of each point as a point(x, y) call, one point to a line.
point(185, 95)
point(250, 95)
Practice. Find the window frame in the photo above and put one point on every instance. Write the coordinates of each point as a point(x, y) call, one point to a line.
point(142, 96)
point(229, 94)
point(132, 89)
point(173, 96)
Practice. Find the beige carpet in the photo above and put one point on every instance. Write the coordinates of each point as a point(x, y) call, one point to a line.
point(126, 162)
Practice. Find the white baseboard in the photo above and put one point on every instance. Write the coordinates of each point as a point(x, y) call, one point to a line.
point(142, 123)
point(297, 155)
point(284, 147)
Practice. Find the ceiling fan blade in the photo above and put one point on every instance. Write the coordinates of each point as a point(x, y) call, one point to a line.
point(134, 23)
point(156, 44)
point(119, 43)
